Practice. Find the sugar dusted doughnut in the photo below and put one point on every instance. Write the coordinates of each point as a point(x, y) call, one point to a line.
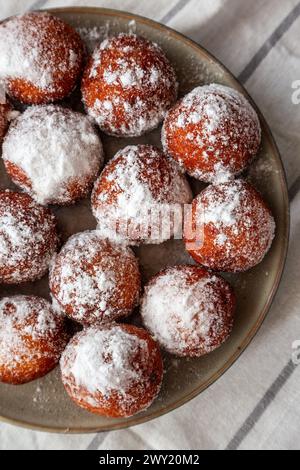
point(131, 197)
point(113, 370)
point(238, 227)
point(28, 238)
point(94, 280)
point(32, 338)
point(213, 132)
point(53, 153)
point(128, 85)
point(188, 310)
point(41, 57)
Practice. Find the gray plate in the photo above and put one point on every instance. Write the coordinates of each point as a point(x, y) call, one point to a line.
point(43, 404)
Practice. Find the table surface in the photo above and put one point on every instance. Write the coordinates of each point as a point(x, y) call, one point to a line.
point(255, 405)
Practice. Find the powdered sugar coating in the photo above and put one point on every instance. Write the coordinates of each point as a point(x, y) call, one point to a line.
point(128, 85)
point(53, 153)
point(213, 132)
point(41, 57)
point(94, 280)
point(137, 182)
point(238, 227)
point(28, 238)
point(32, 338)
point(188, 310)
point(113, 370)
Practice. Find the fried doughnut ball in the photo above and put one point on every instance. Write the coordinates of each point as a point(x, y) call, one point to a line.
point(41, 57)
point(213, 132)
point(53, 153)
point(112, 370)
point(188, 310)
point(237, 227)
point(94, 280)
point(28, 238)
point(138, 195)
point(32, 338)
point(128, 85)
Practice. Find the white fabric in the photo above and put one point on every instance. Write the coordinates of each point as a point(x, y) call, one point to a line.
point(255, 404)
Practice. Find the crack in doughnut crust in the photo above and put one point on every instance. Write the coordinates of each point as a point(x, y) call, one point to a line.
point(28, 238)
point(5, 110)
point(113, 370)
point(189, 310)
point(213, 133)
point(32, 338)
point(41, 57)
point(238, 227)
point(95, 280)
point(53, 153)
point(128, 85)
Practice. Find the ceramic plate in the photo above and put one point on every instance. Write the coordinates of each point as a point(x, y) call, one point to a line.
point(43, 404)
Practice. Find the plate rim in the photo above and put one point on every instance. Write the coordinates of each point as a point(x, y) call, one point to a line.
point(139, 419)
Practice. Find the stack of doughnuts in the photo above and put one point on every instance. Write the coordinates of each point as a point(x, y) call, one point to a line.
point(54, 156)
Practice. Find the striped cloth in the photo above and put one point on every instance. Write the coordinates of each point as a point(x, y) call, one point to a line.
point(255, 405)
